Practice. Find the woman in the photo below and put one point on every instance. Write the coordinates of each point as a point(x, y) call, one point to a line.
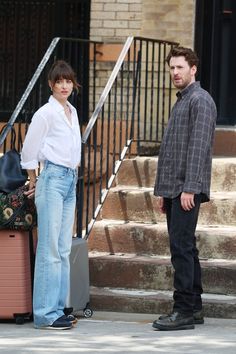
point(54, 140)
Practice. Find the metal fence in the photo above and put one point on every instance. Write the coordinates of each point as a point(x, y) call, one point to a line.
point(81, 54)
point(129, 117)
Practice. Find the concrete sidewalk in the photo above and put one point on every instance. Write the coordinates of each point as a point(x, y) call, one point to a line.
point(110, 332)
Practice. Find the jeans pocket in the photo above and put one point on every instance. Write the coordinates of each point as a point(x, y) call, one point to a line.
point(39, 184)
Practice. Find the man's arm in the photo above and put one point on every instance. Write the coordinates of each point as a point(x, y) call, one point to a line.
point(202, 125)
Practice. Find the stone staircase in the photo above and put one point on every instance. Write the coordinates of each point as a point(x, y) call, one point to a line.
point(130, 268)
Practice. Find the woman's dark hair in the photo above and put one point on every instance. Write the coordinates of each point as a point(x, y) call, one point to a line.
point(189, 55)
point(62, 70)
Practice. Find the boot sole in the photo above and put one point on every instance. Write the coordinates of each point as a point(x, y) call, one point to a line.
point(57, 328)
point(168, 328)
point(196, 321)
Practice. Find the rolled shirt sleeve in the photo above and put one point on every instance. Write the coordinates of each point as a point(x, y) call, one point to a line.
point(33, 141)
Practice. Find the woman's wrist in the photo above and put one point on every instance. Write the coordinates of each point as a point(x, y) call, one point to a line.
point(33, 180)
point(32, 183)
point(32, 176)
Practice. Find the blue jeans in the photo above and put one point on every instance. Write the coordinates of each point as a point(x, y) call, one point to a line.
point(55, 199)
point(184, 254)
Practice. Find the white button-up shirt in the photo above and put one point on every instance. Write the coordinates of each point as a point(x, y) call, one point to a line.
point(52, 137)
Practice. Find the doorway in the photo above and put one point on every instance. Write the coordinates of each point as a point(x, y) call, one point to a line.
point(26, 30)
point(216, 46)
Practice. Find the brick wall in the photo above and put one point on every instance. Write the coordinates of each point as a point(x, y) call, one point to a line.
point(169, 19)
point(114, 20)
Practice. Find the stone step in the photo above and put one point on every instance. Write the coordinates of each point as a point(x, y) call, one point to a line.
point(156, 302)
point(156, 273)
point(225, 141)
point(141, 171)
point(115, 236)
point(139, 204)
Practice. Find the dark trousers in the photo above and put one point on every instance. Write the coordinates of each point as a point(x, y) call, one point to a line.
point(184, 255)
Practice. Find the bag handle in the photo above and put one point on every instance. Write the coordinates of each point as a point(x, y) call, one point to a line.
point(3, 134)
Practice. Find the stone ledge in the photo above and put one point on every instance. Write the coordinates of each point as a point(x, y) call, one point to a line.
point(156, 272)
point(116, 236)
point(139, 204)
point(225, 141)
point(141, 171)
point(151, 302)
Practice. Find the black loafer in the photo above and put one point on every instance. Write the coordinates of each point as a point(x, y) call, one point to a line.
point(60, 323)
point(173, 322)
point(71, 318)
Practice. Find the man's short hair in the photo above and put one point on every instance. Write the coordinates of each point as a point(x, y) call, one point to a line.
point(189, 55)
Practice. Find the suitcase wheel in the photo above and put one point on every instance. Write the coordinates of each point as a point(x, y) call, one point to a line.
point(19, 320)
point(88, 312)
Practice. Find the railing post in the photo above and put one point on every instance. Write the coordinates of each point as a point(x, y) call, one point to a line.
point(80, 194)
point(135, 82)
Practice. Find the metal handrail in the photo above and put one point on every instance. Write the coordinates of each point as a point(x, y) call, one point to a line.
point(125, 52)
point(130, 118)
point(156, 40)
point(28, 89)
point(107, 88)
point(85, 138)
point(34, 79)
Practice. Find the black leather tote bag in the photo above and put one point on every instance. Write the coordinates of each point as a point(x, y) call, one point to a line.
point(12, 175)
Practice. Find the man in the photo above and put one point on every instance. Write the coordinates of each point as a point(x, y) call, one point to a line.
point(183, 183)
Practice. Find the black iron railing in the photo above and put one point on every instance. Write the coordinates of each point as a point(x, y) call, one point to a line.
point(26, 29)
point(81, 54)
point(133, 109)
point(130, 115)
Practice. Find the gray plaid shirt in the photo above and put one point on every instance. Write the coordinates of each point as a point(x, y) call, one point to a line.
point(185, 158)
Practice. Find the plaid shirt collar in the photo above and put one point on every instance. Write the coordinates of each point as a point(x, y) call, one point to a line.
point(180, 94)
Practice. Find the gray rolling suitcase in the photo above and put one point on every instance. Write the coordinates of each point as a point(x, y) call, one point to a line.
point(78, 298)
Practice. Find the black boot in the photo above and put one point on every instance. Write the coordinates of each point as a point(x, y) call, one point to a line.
point(197, 316)
point(174, 321)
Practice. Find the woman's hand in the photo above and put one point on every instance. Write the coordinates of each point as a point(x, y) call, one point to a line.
point(31, 189)
point(32, 183)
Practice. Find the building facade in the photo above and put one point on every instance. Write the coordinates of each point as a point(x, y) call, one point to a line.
point(28, 26)
point(114, 20)
point(207, 26)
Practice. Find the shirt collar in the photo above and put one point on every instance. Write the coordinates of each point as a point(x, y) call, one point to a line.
point(58, 107)
point(188, 89)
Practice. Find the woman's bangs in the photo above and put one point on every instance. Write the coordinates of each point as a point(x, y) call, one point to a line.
point(63, 73)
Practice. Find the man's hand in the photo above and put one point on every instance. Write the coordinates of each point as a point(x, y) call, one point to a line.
point(160, 205)
point(187, 201)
